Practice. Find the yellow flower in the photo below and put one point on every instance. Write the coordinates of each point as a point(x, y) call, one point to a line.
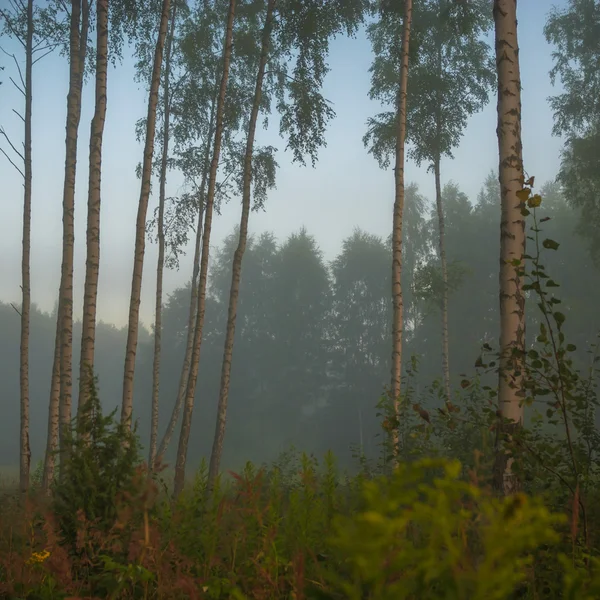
point(38, 557)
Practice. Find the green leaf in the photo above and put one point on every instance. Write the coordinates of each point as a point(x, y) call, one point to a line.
point(550, 244)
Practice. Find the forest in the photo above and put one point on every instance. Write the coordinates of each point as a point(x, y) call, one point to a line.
point(411, 415)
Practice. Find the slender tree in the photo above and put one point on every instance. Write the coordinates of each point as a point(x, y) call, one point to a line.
point(187, 360)
point(186, 423)
point(71, 35)
point(236, 271)
point(161, 239)
point(92, 268)
point(20, 23)
point(140, 232)
point(25, 451)
point(194, 115)
point(61, 384)
point(200, 57)
point(390, 37)
point(512, 235)
point(295, 31)
point(397, 302)
point(451, 74)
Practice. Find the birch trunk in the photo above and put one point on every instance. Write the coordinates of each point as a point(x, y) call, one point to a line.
point(140, 231)
point(512, 234)
point(61, 385)
point(25, 452)
point(212, 181)
point(52, 432)
point(442, 246)
point(191, 327)
point(236, 271)
point(397, 302)
point(92, 265)
point(160, 264)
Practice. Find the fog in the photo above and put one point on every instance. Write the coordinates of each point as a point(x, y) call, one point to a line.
point(297, 374)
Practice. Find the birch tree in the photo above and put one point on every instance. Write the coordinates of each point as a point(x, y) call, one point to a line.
point(196, 62)
point(241, 247)
point(19, 24)
point(194, 129)
point(61, 384)
point(212, 180)
point(92, 267)
point(389, 83)
point(451, 75)
point(512, 237)
point(161, 239)
point(140, 234)
point(295, 25)
point(65, 26)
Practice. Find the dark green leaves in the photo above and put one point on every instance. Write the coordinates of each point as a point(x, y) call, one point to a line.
point(550, 244)
point(451, 74)
point(303, 33)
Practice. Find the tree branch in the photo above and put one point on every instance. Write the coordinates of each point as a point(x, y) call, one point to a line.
point(11, 162)
point(2, 132)
point(11, 27)
point(19, 115)
point(17, 86)
point(43, 55)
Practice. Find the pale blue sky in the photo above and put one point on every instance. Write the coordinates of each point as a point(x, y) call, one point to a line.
point(346, 189)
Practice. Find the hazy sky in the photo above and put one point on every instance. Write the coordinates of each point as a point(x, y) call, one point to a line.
point(346, 189)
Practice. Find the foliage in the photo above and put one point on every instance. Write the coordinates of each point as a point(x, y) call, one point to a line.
point(299, 528)
point(574, 32)
point(451, 74)
point(101, 466)
point(426, 534)
point(579, 174)
point(126, 19)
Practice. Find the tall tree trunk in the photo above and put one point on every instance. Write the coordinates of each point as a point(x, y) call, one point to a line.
point(186, 423)
point(441, 225)
point(512, 235)
point(92, 265)
point(442, 245)
point(53, 416)
point(191, 327)
point(140, 231)
point(397, 301)
point(25, 452)
point(160, 263)
point(61, 385)
point(236, 271)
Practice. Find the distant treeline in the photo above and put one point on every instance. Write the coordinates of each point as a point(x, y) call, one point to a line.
point(311, 356)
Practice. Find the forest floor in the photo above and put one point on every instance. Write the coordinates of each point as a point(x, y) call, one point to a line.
point(426, 530)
